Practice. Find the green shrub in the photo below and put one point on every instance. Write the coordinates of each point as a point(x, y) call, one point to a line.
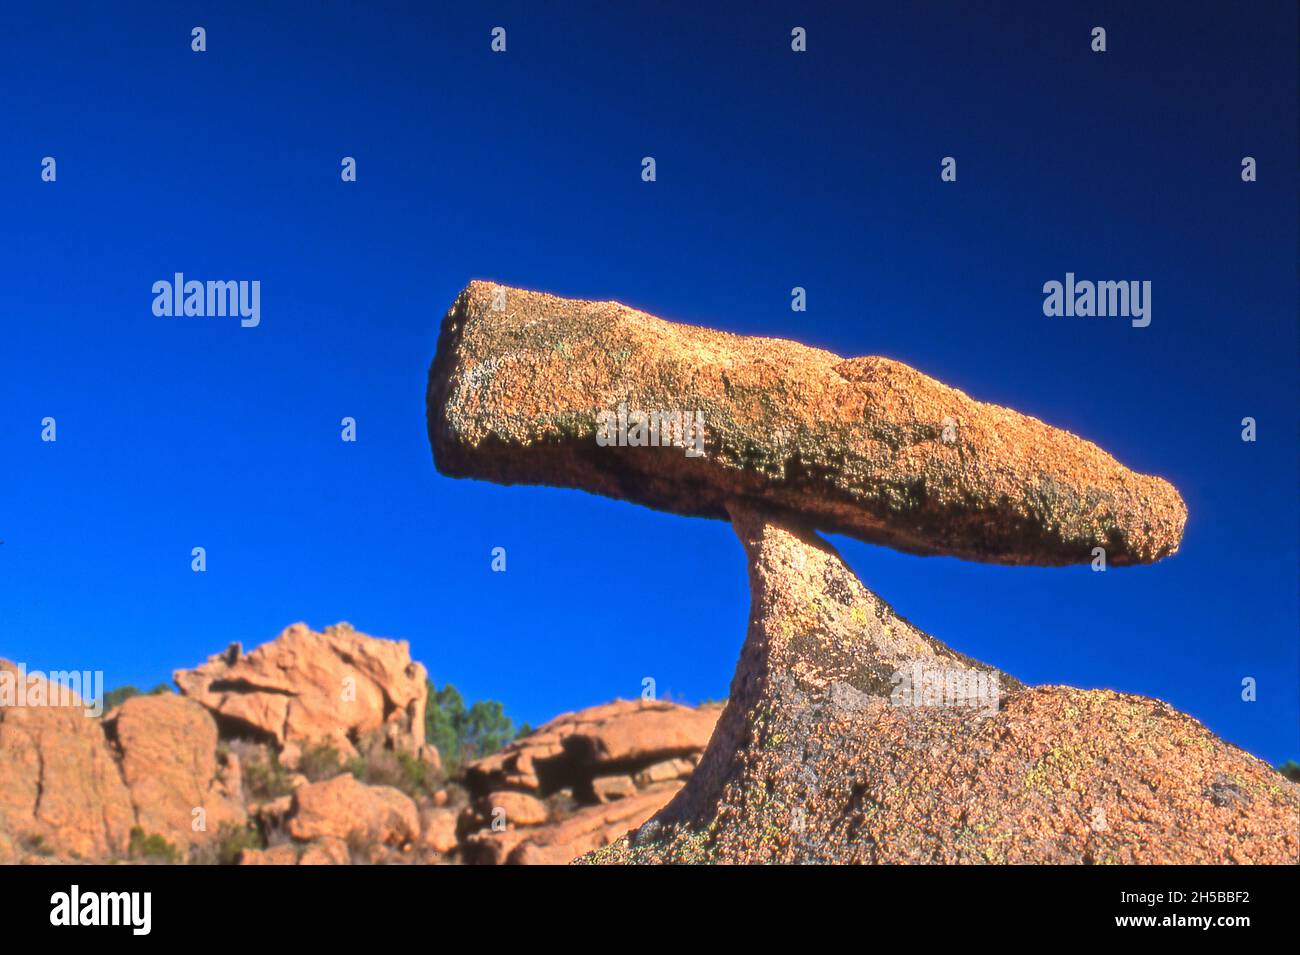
point(120, 695)
point(266, 779)
point(463, 734)
point(319, 762)
point(151, 847)
point(232, 840)
point(382, 767)
point(35, 844)
point(227, 845)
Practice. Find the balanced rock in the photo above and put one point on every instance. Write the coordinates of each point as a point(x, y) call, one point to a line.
point(530, 388)
point(309, 687)
point(851, 736)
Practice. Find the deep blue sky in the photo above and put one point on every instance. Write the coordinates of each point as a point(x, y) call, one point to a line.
point(774, 170)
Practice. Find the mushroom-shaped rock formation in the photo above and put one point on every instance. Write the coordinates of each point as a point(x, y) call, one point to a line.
point(530, 388)
point(850, 735)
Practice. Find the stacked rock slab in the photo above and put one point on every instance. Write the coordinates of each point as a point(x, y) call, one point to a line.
point(849, 735)
point(581, 780)
point(304, 687)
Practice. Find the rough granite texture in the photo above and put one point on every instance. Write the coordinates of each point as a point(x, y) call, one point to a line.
point(293, 688)
point(856, 446)
point(812, 760)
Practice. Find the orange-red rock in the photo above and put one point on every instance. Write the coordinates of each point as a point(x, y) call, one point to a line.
point(518, 809)
point(284, 854)
point(438, 830)
point(589, 828)
point(863, 446)
point(168, 751)
point(61, 792)
point(572, 748)
point(343, 807)
point(309, 687)
point(326, 851)
point(823, 756)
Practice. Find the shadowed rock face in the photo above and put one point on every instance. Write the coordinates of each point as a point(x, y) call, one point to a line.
point(864, 446)
point(824, 754)
point(573, 749)
point(292, 689)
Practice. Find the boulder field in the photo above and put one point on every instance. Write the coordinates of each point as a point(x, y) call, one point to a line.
point(310, 750)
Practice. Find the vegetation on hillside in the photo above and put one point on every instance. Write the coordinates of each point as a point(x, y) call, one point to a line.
point(463, 734)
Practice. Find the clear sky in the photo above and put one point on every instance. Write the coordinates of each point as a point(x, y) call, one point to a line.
point(775, 170)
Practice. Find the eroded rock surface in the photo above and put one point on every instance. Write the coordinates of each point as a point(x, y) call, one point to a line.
point(581, 780)
point(573, 749)
point(850, 736)
point(62, 795)
point(168, 751)
point(862, 446)
point(344, 808)
point(307, 687)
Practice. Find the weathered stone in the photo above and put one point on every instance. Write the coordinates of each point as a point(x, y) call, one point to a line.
point(438, 830)
point(490, 847)
point(62, 796)
point(272, 809)
point(573, 748)
point(664, 771)
point(863, 446)
point(519, 809)
point(168, 751)
point(326, 852)
point(609, 788)
point(343, 808)
point(844, 741)
point(589, 828)
point(306, 687)
point(284, 854)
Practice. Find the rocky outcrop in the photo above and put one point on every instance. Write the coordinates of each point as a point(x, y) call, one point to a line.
point(574, 749)
point(180, 786)
point(590, 828)
point(581, 780)
point(344, 808)
point(62, 795)
point(159, 779)
point(305, 687)
point(850, 736)
point(862, 446)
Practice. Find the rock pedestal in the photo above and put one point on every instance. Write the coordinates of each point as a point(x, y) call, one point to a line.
point(851, 736)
